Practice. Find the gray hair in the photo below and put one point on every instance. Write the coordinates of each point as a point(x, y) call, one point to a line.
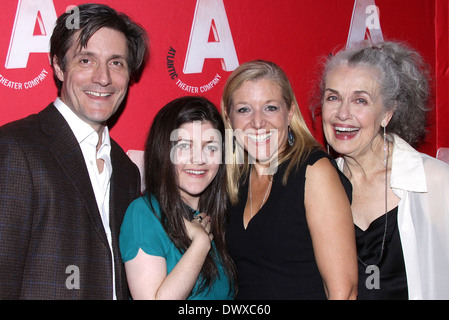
point(404, 83)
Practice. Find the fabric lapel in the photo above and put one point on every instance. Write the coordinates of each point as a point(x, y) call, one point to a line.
point(68, 153)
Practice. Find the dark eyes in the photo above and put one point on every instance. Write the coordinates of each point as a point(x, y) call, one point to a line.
point(115, 63)
point(118, 63)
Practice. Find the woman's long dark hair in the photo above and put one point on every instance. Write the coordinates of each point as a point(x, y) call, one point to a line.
point(161, 181)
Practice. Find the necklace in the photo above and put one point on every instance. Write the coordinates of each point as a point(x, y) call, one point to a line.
point(251, 195)
point(386, 153)
point(194, 213)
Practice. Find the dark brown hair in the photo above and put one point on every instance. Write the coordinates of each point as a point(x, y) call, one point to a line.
point(162, 182)
point(91, 18)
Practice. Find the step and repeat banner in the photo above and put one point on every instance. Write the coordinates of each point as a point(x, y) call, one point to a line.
point(196, 44)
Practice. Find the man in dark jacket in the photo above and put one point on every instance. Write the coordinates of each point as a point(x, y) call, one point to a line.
point(64, 183)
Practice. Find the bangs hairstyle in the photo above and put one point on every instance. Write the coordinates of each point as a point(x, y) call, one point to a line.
point(161, 181)
point(304, 141)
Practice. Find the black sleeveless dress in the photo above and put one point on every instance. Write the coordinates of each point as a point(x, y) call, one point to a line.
point(391, 282)
point(274, 254)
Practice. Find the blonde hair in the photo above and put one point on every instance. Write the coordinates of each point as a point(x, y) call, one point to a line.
point(304, 142)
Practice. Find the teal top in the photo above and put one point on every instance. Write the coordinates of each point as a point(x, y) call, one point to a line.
point(141, 229)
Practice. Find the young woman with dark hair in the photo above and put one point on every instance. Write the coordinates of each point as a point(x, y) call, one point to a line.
point(172, 238)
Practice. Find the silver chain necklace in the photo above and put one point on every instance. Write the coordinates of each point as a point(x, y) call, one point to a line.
point(251, 195)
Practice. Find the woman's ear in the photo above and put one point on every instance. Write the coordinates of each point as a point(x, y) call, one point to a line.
point(388, 115)
point(386, 120)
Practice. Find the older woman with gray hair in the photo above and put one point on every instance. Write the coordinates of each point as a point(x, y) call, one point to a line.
point(374, 102)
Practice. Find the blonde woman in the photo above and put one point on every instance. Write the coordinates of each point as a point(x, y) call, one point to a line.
point(290, 231)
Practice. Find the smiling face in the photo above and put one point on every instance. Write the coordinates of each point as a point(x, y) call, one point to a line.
point(353, 111)
point(96, 78)
point(197, 156)
point(260, 118)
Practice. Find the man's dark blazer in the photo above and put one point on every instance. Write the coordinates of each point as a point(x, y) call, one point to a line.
point(50, 225)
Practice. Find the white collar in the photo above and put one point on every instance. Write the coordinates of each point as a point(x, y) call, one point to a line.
point(80, 129)
point(407, 170)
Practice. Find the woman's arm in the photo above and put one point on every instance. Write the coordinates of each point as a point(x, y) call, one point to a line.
point(147, 274)
point(331, 226)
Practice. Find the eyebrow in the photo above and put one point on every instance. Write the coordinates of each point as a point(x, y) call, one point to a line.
point(363, 92)
point(331, 90)
point(191, 141)
point(91, 54)
point(355, 92)
point(266, 102)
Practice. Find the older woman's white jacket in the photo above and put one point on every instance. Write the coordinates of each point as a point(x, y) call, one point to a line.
point(422, 184)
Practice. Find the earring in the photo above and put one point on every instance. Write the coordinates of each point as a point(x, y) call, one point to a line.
point(290, 137)
point(233, 144)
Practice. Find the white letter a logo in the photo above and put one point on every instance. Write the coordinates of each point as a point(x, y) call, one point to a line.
point(23, 42)
point(210, 14)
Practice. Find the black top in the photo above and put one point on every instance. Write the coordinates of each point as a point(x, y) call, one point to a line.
point(391, 281)
point(274, 255)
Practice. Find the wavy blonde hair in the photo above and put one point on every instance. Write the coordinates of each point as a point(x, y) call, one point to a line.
point(304, 141)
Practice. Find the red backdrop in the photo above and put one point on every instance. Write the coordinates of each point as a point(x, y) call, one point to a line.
point(294, 34)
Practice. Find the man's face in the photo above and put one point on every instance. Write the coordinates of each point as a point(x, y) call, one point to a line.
point(96, 78)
